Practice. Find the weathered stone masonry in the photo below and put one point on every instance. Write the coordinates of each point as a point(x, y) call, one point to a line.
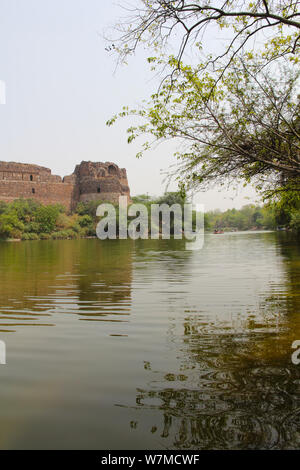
point(90, 181)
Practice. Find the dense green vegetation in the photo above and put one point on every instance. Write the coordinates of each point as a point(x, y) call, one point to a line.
point(30, 220)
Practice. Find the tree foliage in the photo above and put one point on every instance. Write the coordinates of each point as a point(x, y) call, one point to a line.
point(249, 129)
point(295, 221)
point(286, 206)
point(160, 23)
point(233, 112)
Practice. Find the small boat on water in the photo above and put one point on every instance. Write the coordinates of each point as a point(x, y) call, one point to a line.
point(218, 231)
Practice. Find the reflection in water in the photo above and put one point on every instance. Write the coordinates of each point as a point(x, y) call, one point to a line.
point(40, 279)
point(235, 386)
point(225, 399)
point(147, 345)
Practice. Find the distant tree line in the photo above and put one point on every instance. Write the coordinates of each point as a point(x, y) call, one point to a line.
point(249, 217)
point(28, 219)
point(270, 216)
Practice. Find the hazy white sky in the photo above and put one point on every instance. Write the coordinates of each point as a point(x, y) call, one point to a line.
point(62, 87)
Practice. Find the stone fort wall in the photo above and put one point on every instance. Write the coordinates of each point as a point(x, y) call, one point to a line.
point(90, 181)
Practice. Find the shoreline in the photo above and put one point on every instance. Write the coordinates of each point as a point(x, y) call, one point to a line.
point(208, 232)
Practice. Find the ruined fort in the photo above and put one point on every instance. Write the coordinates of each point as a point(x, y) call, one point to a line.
point(90, 181)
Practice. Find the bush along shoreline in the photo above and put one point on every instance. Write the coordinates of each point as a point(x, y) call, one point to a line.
point(26, 219)
point(29, 220)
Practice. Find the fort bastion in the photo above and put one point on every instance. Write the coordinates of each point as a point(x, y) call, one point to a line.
point(90, 181)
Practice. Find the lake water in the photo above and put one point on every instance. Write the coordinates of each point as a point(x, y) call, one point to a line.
point(142, 344)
